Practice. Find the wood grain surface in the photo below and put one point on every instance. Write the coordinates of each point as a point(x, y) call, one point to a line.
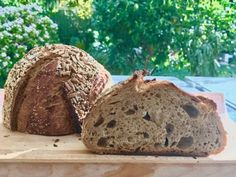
point(32, 155)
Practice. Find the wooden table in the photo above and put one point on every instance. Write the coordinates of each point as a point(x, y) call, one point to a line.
point(35, 156)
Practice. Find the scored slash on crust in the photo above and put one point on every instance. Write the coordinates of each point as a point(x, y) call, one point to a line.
point(56, 82)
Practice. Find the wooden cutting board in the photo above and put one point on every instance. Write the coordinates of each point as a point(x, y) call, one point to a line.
point(23, 154)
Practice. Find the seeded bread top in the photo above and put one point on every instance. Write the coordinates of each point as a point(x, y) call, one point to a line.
point(86, 76)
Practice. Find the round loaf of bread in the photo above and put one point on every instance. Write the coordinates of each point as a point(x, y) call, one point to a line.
point(51, 90)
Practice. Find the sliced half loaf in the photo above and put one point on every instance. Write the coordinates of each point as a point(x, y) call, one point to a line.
point(153, 117)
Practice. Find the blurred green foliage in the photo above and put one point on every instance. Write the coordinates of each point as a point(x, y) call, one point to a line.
point(173, 36)
point(81, 8)
point(165, 33)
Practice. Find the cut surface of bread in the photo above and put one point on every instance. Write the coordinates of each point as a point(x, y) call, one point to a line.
point(152, 117)
point(51, 89)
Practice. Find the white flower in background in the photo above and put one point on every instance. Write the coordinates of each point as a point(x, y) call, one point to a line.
point(46, 19)
point(19, 36)
point(3, 54)
point(202, 28)
point(21, 7)
point(17, 55)
point(5, 63)
point(36, 32)
point(25, 35)
point(218, 34)
point(7, 24)
point(4, 49)
point(46, 35)
point(39, 21)
point(32, 26)
point(25, 8)
point(96, 43)
point(1, 11)
point(138, 50)
point(27, 29)
point(34, 6)
point(19, 21)
point(95, 34)
point(54, 25)
point(6, 33)
point(227, 9)
point(191, 31)
point(233, 26)
point(41, 39)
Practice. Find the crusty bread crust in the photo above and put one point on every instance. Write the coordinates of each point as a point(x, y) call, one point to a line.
point(176, 123)
point(69, 74)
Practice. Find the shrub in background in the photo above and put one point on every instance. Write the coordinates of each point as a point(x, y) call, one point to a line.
point(21, 29)
point(165, 34)
point(73, 18)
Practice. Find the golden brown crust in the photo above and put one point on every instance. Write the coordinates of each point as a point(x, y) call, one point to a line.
point(44, 75)
point(209, 102)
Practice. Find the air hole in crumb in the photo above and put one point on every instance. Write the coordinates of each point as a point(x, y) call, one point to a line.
point(111, 145)
point(112, 113)
point(145, 135)
point(135, 107)
point(111, 124)
point(130, 139)
point(114, 102)
point(178, 114)
point(147, 116)
point(158, 95)
point(156, 145)
point(166, 142)
point(102, 142)
point(137, 149)
point(130, 111)
point(145, 95)
point(217, 141)
point(191, 110)
point(169, 128)
point(99, 121)
point(173, 144)
point(185, 142)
